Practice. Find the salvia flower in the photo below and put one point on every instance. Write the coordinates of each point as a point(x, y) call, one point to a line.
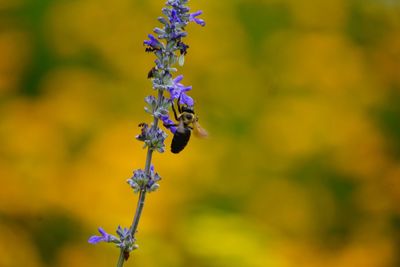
point(140, 181)
point(168, 123)
point(105, 237)
point(152, 137)
point(152, 184)
point(161, 76)
point(177, 16)
point(174, 19)
point(126, 241)
point(170, 50)
point(153, 44)
point(158, 110)
point(192, 17)
point(178, 91)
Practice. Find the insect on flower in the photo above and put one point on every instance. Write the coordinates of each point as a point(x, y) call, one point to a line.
point(167, 44)
point(185, 118)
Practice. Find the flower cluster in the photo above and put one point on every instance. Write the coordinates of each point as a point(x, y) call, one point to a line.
point(152, 137)
point(142, 181)
point(169, 49)
point(158, 110)
point(103, 238)
point(178, 91)
point(124, 240)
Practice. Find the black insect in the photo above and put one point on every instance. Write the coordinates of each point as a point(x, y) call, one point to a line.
point(185, 118)
point(151, 73)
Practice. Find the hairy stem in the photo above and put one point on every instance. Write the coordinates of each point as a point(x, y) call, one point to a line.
point(142, 194)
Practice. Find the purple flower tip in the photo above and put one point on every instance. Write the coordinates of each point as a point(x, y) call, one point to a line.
point(153, 42)
point(197, 13)
point(103, 238)
point(192, 17)
point(102, 232)
point(95, 239)
point(178, 78)
point(186, 100)
point(167, 123)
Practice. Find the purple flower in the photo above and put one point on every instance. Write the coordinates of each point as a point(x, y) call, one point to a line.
point(177, 34)
point(192, 17)
point(174, 18)
point(154, 177)
point(177, 91)
point(142, 181)
point(177, 88)
point(152, 184)
point(174, 3)
point(152, 137)
point(153, 44)
point(168, 124)
point(186, 100)
point(169, 49)
point(127, 242)
point(178, 5)
point(138, 181)
point(103, 238)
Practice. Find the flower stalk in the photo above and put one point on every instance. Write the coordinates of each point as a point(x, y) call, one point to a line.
point(169, 49)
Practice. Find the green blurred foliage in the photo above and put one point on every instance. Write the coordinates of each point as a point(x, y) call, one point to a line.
point(302, 103)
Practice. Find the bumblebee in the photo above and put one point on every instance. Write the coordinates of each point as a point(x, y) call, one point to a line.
point(185, 118)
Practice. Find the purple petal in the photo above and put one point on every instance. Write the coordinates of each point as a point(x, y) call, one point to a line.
point(167, 121)
point(95, 239)
point(174, 93)
point(187, 100)
point(153, 42)
point(172, 129)
point(174, 17)
point(178, 79)
point(200, 22)
point(149, 42)
point(192, 17)
point(102, 232)
point(185, 88)
point(197, 13)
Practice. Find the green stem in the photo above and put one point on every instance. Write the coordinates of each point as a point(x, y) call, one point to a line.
point(142, 194)
point(121, 259)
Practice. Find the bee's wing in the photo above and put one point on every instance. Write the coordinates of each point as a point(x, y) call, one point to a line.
point(199, 131)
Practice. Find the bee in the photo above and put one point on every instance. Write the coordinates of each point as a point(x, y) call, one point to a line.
point(185, 119)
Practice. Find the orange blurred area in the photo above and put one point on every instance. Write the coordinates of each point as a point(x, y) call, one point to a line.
point(301, 100)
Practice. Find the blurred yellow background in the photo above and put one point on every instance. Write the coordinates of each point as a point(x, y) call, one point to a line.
point(302, 103)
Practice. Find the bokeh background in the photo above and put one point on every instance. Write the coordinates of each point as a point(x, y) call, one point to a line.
point(302, 103)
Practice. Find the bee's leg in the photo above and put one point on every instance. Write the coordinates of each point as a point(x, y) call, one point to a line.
point(179, 106)
point(170, 125)
point(173, 109)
